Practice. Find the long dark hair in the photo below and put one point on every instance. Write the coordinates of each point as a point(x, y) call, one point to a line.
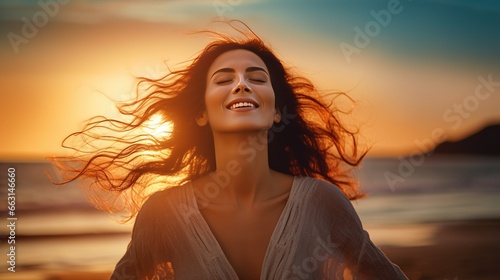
point(310, 140)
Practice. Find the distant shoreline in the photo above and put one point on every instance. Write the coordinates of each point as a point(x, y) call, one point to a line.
point(468, 249)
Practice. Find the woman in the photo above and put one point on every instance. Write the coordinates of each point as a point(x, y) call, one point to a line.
point(263, 193)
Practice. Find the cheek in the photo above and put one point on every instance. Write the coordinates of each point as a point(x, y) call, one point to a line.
point(270, 97)
point(213, 99)
point(210, 95)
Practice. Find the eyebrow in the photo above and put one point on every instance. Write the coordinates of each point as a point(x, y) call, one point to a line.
point(249, 69)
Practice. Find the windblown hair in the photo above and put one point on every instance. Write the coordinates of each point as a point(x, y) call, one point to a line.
point(310, 141)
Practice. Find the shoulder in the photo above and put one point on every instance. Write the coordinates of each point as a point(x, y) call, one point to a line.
point(158, 204)
point(165, 196)
point(320, 189)
point(327, 201)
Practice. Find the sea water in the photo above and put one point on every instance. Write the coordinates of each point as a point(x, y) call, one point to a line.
point(58, 230)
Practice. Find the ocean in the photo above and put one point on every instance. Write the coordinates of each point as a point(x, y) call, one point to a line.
point(58, 230)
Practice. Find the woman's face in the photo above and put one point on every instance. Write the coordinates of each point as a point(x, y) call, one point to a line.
point(239, 96)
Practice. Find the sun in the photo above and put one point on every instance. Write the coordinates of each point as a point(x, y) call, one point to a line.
point(158, 127)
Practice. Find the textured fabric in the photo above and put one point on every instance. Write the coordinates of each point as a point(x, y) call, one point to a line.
point(318, 236)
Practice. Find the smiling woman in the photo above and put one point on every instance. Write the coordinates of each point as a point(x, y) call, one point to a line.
point(260, 188)
point(252, 103)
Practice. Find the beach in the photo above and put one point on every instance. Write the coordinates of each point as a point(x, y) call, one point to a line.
point(460, 250)
point(442, 222)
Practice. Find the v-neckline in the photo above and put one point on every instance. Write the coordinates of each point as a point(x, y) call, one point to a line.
point(277, 231)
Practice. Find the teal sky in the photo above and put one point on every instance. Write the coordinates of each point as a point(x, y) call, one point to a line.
point(415, 67)
point(452, 31)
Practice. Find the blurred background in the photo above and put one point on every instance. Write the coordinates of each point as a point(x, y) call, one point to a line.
point(425, 76)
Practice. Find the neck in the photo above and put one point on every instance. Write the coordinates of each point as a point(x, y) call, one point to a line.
point(242, 160)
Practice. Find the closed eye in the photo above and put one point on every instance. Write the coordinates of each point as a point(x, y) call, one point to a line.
point(258, 80)
point(221, 82)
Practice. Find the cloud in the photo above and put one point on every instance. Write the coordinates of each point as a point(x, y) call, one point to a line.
point(95, 11)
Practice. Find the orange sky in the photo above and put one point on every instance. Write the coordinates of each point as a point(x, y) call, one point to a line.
point(50, 87)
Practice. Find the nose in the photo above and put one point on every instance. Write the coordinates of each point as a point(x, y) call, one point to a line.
point(241, 87)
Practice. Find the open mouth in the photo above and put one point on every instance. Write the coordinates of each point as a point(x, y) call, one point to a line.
point(237, 104)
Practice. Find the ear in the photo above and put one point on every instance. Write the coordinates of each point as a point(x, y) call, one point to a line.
point(203, 120)
point(277, 116)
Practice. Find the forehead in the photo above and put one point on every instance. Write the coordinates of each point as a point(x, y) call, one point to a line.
point(236, 59)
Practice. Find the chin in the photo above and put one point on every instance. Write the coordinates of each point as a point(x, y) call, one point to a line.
point(243, 128)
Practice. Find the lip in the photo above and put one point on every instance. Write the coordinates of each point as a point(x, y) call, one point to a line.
point(242, 100)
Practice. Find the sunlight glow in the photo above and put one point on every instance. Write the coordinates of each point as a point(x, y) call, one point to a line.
point(158, 127)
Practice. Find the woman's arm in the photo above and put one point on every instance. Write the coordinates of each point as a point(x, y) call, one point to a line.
point(362, 259)
point(146, 255)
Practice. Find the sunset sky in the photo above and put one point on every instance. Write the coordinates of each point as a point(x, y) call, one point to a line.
point(414, 67)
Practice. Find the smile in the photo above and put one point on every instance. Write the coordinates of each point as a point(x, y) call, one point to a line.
point(242, 104)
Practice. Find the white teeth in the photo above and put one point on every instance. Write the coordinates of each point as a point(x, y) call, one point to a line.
point(242, 105)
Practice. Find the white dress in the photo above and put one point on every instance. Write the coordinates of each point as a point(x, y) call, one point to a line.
point(318, 236)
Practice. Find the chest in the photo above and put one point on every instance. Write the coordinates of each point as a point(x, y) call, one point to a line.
point(244, 236)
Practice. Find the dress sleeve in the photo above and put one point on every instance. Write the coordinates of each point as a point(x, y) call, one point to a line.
point(358, 257)
point(147, 253)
